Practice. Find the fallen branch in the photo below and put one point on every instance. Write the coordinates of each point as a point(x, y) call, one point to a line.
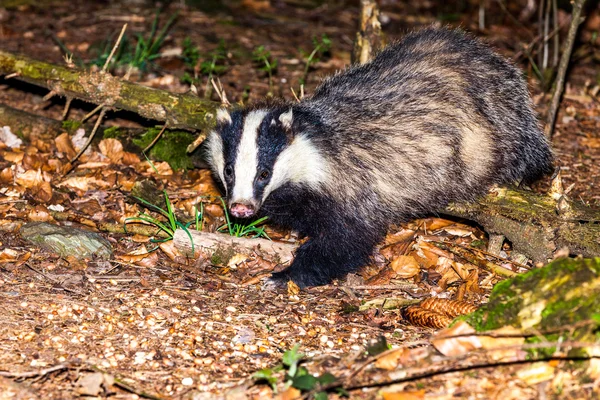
point(280, 251)
point(537, 225)
point(178, 110)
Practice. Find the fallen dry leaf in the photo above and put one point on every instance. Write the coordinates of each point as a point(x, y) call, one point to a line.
point(111, 148)
point(504, 348)
point(14, 157)
point(171, 251)
point(414, 395)
point(236, 260)
point(405, 266)
point(392, 358)
point(535, 373)
point(31, 178)
point(65, 145)
point(39, 213)
point(139, 256)
point(455, 346)
point(8, 255)
point(84, 183)
point(593, 369)
point(130, 158)
point(94, 384)
point(290, 393)
point(292, 288)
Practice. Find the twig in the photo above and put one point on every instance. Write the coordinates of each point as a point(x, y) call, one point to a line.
point(220, 91)
point(407, 286)
point(90, 138)
point(294, 94)
point(91, 113)
point(54, 281)
point(413, 374)
point(537, 39)
point(114, 49)
point(371, 360)
point(31, 374)
point(563, 66)
point(49, 95)
point(487, 253)
point(13, 75)
point(471, 258)
point(66, 109)
point(156, 138)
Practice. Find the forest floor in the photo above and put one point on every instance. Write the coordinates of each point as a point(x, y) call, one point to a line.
point(164, 326)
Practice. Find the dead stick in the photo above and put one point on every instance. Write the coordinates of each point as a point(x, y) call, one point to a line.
point(85, 146)
point(563, 66)
point(31, 374)
point(114, 49)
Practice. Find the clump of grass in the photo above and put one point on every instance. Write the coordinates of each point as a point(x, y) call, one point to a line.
point(296, 375)
point(320, 47)
point(169, 226)
point(213, 64)
point(267, 63)
point(242, 230)
point(140, 52)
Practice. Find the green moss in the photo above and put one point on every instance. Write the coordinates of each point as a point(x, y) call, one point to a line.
point(564, 293)
point(112, 133)
point(171, 147)
point(71, 125)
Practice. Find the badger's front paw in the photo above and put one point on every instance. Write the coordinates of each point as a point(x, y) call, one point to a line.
point(277, 281)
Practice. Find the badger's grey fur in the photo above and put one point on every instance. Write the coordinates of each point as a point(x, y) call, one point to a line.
point(435, 118)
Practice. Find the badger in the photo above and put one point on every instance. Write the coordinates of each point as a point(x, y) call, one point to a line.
point(437, 117)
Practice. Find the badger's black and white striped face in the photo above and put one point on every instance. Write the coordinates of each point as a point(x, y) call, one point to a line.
point(255, 152)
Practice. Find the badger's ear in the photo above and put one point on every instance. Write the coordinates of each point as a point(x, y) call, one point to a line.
point(286, 119)
point(223, 116)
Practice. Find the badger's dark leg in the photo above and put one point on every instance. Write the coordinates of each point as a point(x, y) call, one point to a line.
point(340, 241)
point(328, 256)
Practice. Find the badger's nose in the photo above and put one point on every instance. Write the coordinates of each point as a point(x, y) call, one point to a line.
point(241, 210)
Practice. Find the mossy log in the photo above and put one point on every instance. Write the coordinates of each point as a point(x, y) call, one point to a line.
point(220, 243)
point(537, 225)
point(184, 111)
point(563, 295)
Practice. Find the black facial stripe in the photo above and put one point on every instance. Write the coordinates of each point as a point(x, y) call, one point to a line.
point(231, 133)
point(272, 140)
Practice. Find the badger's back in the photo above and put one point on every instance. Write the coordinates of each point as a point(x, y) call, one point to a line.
point(434, 118)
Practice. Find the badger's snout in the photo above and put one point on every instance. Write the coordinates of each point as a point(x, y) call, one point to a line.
point(241, 210)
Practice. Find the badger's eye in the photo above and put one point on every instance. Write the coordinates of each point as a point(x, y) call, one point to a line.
point(264, 174)
point(228, 171)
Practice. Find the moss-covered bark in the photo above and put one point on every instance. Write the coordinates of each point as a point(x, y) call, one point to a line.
point(533, 223)
point(562, 295)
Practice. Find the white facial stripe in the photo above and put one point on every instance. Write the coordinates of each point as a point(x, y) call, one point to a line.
point(300, 162)
point(246, 162)
point(215, 155)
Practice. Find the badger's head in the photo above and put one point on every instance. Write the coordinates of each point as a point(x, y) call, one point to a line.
point(254, 152)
